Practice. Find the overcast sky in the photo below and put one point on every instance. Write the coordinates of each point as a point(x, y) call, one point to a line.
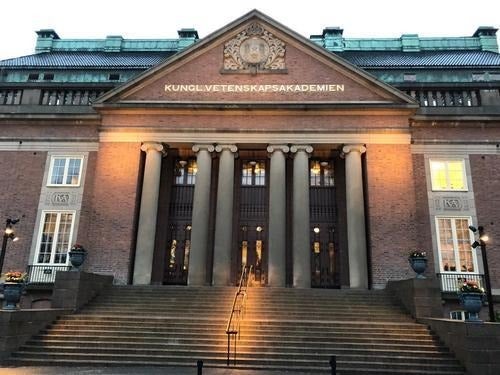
point(161, 18)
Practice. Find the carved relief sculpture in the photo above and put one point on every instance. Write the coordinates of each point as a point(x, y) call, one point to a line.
point(254, 49)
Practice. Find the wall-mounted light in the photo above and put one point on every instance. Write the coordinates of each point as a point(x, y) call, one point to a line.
point(8, 234)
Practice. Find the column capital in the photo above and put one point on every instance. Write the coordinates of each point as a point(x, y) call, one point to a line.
point(232, 148)
point(296, 148)
point(207, 147)
point(349, 148)
point(282, 148)
point(153, 146)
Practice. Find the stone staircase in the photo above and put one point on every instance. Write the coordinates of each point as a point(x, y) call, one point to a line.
point(285, 329)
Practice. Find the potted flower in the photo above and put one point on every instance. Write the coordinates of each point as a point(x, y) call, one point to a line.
point(418, 262)
point(13, 288)
point(471, 297)
point(77, 256)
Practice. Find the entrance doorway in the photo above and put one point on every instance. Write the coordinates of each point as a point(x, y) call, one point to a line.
point(178, 246)
point(323, 214)
point(252, 208)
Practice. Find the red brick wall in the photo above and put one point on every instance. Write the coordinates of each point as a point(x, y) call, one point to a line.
point(485, 171)
point(422, 220)
point(20, 184)
point(302, 68)
point(111, 230)
point(391, 211)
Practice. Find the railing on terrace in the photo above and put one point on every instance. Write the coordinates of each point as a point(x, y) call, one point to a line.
point(237, 312)
point(69, 97)
point(44, 274)
point(452, 281)
point(446, 98)
point(10, 96)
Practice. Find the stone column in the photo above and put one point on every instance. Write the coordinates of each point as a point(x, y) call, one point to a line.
point(301, 226)
point(224, 216)
point(277, 216)
point(356, 233)
point(146, 230)
point(201, 214)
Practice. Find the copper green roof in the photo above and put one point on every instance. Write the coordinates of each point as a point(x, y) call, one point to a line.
point(425, 59)
point(94, 60)
point(363, 59)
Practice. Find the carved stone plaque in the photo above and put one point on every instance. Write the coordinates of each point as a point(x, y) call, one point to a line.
point(61, 199)
point(254, 49)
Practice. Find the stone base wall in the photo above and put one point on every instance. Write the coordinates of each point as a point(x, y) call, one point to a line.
point(476, 345)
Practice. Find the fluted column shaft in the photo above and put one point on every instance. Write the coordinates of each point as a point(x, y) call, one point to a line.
point(356, 232)
point(301, 226)
point(146, 230)
point(201, 215)
point(277, 216)
point(224, 216)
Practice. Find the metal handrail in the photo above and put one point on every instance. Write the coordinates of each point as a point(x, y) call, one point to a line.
point(237, 312)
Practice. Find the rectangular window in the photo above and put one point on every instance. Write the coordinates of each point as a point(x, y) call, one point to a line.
point(65, 171)
point(448, 175)
point(253, 173)
point(454, 244)
point(321, 173)
point(185, 172)
point(56, 232)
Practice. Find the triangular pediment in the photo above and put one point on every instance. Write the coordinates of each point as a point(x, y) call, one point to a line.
point(255, 60)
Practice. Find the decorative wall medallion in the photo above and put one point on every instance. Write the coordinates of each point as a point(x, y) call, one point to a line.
point(61, 199)
point(453, 204)
point(254, 49)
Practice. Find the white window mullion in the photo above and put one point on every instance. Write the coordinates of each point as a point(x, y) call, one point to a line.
point(55, 241)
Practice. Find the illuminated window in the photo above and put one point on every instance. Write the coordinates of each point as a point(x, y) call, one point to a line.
point(65, 171)
point(321, 173)
point(459, 315)
point(454, 244)
point(448, 175)
point(253, 173)
point(56, 231)
point(185, 172)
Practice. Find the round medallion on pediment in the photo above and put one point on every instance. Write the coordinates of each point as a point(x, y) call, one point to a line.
point(254, 50)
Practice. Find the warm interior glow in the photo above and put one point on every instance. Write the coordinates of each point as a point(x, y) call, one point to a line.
point(316, 168)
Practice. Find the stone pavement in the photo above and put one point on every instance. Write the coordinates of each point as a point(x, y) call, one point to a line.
point(131, 370)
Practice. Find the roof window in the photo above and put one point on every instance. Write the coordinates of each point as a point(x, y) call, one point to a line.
point(114, 77)
point(48, 76)
point(33, 76)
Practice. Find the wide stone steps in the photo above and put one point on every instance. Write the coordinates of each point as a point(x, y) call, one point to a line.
point(266, 346)
point(249, 360)
point(283, 329)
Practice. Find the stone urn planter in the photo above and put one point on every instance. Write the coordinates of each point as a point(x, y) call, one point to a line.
point(77, 256)
point(12, 295)
point(13, 289)
point(471, 298)
point(418, 262)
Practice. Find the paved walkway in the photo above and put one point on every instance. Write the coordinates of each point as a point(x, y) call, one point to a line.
point(42, 370)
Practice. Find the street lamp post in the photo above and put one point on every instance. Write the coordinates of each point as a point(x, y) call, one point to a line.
point(7, 234)
point(483, 238)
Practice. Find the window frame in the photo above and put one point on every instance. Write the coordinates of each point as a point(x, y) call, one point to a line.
point(446, 162)
point(56, 234)
point(67, 158)
point(456, 251)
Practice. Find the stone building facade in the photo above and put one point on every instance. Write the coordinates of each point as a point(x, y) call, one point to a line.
point(321, 162)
